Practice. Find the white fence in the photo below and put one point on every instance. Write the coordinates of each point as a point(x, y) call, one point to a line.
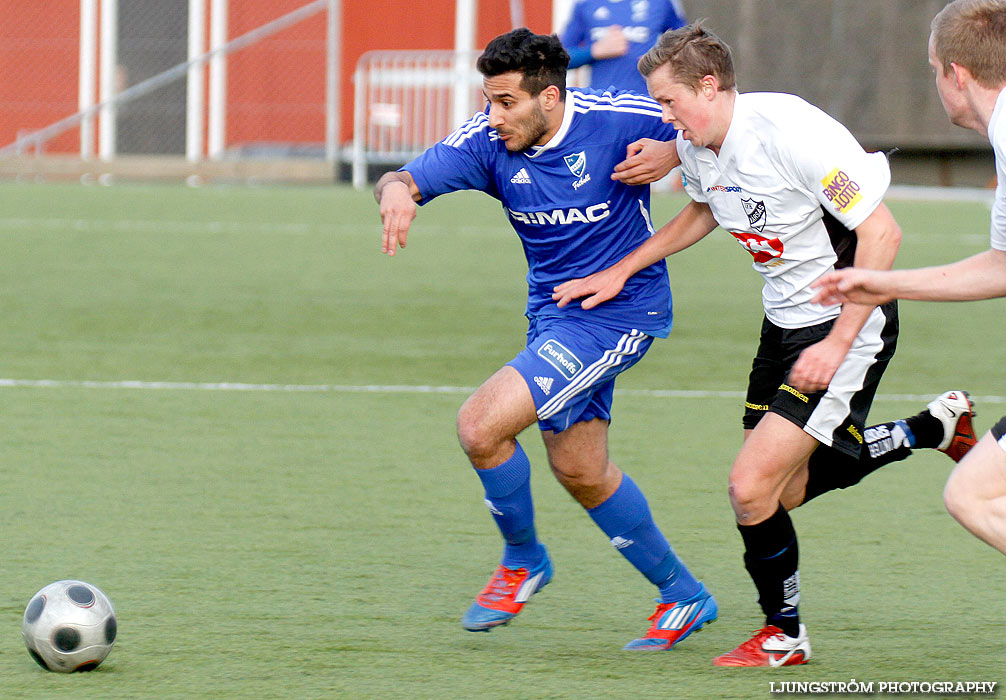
point(406, 101)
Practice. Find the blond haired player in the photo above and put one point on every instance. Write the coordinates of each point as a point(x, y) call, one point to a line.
point(967, 50)
point(801, 196)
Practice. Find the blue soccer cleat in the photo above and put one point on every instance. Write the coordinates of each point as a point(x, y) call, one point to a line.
point(505, 595)
point(672, 622)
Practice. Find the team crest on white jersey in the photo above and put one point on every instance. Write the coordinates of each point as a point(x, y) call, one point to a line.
point(545, 384)
point(756, 213)
point(521, 177)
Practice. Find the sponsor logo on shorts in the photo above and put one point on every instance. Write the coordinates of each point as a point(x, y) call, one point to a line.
point(545, 384)
point(841, 190)
point(855, 433)
point(561, 358)
point(797, 394)
point(723, 188)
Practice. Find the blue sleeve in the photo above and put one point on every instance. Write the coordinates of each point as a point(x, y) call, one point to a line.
point(676, 17)
point(579, 57)
point(647, 121)
point(576, 39)
point(456, 163)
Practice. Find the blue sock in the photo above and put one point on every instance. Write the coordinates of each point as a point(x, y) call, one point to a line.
point(508, 496)
point(626, 519)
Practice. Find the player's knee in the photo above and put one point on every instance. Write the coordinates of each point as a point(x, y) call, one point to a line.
point(958, 499)
point(750, 501)
point(583, 484)
point(475, 434)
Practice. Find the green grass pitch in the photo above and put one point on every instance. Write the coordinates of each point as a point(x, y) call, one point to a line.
point(316, 532)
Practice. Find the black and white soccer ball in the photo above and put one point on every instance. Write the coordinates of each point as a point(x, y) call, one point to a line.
point(69, 626)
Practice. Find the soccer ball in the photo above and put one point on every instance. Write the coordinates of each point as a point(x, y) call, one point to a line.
point(69, 626)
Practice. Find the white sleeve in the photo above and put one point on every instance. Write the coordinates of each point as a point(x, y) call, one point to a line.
point(826, 158)
point(999, 206)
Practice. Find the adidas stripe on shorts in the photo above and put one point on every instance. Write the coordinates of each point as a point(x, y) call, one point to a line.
point(835, 416)
point(570, 367)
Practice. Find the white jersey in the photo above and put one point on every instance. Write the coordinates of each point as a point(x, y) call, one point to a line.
point(790, 183)
point(997, 135)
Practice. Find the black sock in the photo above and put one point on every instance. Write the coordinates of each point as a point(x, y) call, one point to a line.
point(927, 429)
point(771, 556)
point(884, 443)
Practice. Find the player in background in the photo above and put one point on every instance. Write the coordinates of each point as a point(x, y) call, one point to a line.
point(547, 153)
point(799, 194)
point(611, 35)
point(967, 50)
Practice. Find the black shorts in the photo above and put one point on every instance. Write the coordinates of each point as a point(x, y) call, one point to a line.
point(835, 416)
point(999, 432)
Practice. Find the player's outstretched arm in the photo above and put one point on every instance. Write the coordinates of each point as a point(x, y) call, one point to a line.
point(877, 242)
point(692, 224)
point(982, 276)
point(396, 194)
point(853, 284)
point(646, 161)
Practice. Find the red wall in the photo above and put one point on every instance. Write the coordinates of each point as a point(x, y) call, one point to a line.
point(276, 88)
point(424, 24)
point(39, 59)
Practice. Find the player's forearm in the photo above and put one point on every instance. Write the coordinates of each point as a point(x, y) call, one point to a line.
point(691, 225)
point(981, 276)
point(878, 240)
point(579, 56)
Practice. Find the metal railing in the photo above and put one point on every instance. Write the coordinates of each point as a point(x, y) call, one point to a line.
point(406, 101)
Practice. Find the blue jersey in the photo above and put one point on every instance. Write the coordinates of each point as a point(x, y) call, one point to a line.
point(572, 218)
point(642, 21)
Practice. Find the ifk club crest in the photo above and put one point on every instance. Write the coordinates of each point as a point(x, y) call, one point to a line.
point(577, 163)
point(756, 213)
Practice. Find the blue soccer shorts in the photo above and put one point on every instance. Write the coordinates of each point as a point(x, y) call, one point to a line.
point(570, 366)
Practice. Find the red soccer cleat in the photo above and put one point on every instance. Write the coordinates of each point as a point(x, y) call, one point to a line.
point(672, 622)
point(769, 647)
point(954, 409)
point(505, 595)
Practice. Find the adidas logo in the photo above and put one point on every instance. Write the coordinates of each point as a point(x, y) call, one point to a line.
point(521, 178)
point(492, 507)
point(545, 384)
point(619, 542)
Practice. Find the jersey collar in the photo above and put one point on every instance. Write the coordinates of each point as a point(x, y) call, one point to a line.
point(556, 140)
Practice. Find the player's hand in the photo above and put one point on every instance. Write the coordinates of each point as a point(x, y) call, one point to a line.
point(612, 44)
point(646, 161)
point(597, 288)
point(853, 284)
point(817, 364)
point(397, 212)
